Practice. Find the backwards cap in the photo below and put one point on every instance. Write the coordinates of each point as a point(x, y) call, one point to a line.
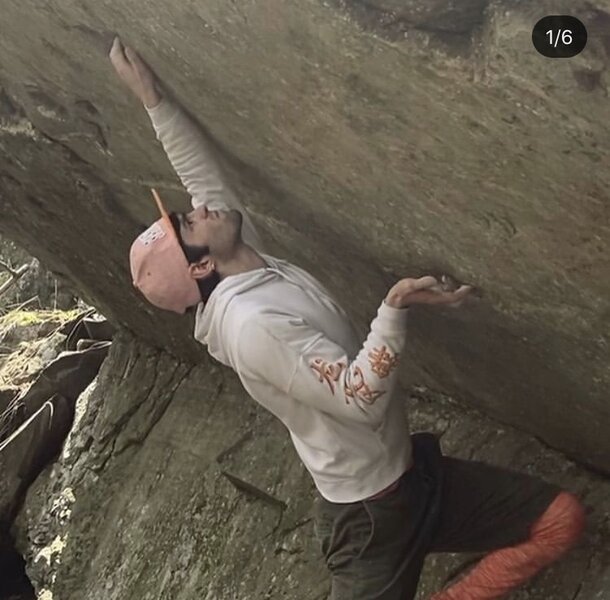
point(159, 267)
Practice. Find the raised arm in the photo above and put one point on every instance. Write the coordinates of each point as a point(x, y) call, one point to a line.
point(190, 153)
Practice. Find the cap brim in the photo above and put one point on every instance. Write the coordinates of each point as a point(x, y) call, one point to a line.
point(164, 215)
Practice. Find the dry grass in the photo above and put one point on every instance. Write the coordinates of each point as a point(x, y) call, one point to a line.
point(17, 364)
point(33, 317)
point(20, 361)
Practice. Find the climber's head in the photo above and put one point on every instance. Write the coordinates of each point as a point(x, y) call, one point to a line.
point(175, 262)
point(207, 238)
point(214, 234)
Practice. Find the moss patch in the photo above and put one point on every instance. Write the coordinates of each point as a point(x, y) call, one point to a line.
point(23, 318)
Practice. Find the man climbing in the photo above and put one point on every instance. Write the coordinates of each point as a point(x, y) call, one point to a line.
point(386, 499)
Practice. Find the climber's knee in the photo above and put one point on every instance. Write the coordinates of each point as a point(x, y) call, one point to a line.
point(560, 526)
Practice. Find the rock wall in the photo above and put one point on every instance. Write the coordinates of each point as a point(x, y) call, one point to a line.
point(37, 288)
point(368, 145)
point(174, 484)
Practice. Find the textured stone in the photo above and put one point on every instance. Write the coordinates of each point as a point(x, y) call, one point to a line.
point(137, 506)
point(361, 159)
point(364, 155)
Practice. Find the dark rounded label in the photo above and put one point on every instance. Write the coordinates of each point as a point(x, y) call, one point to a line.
point(559, 36)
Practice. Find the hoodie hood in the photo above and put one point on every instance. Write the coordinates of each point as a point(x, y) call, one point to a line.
point(210, 315)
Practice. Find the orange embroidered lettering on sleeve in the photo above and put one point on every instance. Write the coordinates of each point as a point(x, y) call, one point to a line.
point(360, 388)
point(328, 372)
point(382, 362)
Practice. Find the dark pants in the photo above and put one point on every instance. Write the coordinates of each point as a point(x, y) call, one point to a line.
point(375, 549)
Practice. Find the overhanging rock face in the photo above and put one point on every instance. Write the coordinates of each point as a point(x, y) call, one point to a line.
point(364, 156)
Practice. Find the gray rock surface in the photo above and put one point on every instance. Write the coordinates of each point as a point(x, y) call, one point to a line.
point(37, 287)
point(363, 157)
point(370, 140)
point(138, 506)
point(37, 409)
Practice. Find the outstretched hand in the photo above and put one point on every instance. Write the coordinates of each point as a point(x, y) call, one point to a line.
point(135, 73)
point(425, 290)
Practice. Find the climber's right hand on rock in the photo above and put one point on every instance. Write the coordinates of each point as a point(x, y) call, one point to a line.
point(135, 73)
point(425, 290)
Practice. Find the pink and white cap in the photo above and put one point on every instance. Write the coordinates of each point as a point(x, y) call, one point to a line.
point(159, 267)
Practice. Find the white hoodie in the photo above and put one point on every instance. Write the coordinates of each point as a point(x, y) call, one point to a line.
point(294, 349)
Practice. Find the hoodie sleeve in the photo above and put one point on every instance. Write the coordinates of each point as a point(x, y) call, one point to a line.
point(192, 157)
point(306, 365)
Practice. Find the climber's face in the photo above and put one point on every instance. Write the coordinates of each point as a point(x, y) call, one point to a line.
point(219, 230)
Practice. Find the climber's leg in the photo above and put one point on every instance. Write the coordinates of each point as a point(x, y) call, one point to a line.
point(525, 522)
